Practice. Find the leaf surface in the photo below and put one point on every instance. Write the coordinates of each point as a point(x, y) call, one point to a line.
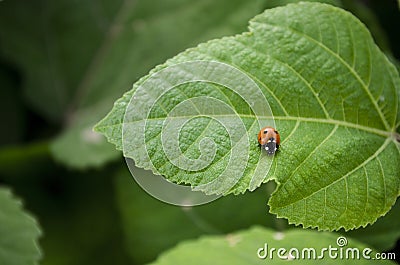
point(19, 232)
point(334, 98)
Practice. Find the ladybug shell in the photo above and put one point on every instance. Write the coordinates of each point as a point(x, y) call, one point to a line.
point(269, 139)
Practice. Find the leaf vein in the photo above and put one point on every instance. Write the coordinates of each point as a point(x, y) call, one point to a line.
point(369, 67)
point(266, 87)
point(291, 133)
point(384, 181)
point(310, 154)
point(353, 62)
point(288, 118)
point(367, 196)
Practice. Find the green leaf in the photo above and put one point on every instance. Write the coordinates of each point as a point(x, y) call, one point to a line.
point(334, 98)
point(19, 232)
point(243, 248)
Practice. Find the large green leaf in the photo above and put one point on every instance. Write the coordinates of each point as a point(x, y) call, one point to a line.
point(19, 232)
point(334, 98)
point(246, 247)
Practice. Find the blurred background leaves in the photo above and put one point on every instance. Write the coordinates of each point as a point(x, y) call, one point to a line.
point(62, 65)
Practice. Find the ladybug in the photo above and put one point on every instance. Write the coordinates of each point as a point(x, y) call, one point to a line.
point(269, 139)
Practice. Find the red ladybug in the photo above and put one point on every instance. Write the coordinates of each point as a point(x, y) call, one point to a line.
point(269, 139)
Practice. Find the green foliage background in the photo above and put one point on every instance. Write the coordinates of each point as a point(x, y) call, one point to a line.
point(62, 65)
